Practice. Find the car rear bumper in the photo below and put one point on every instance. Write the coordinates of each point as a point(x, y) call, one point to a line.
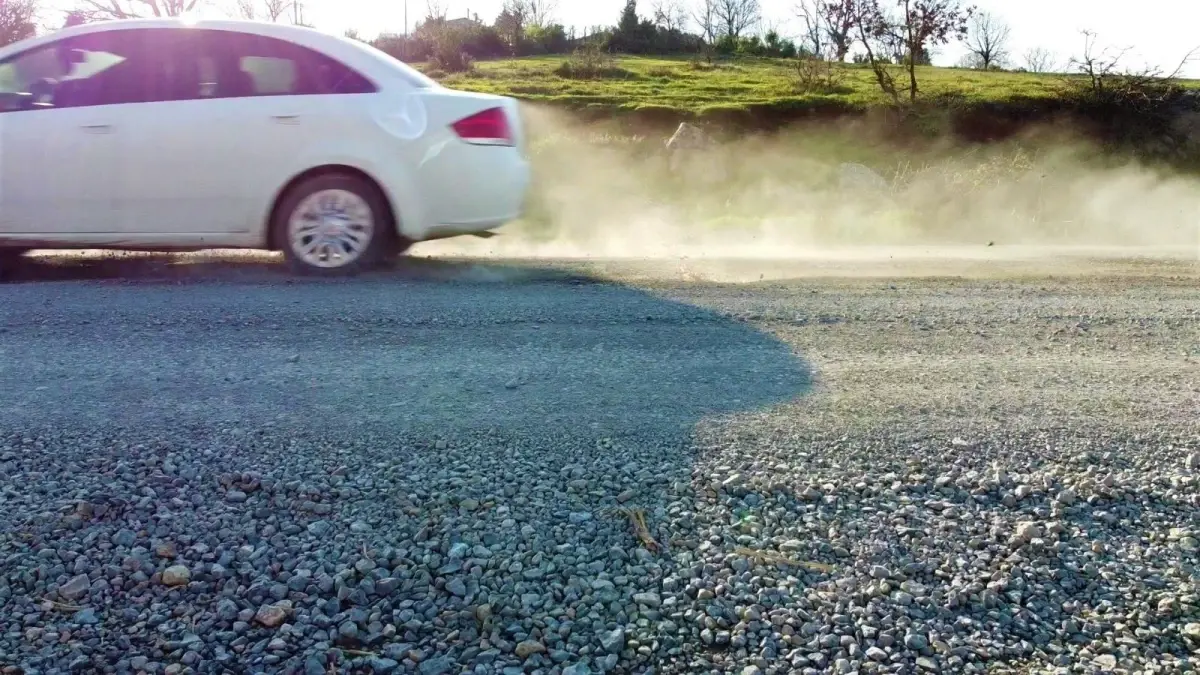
point(470, 189)
point(448, 230)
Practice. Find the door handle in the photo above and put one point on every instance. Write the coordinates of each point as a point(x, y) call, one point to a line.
point(97, 128)
point(286, 119)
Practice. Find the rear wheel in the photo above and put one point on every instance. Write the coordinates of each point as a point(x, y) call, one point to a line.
point(8, 260)
point(334, 225)
point(397, 250)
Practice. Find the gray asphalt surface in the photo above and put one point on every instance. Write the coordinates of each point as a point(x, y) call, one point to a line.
point(423, 470)
point(523, 350)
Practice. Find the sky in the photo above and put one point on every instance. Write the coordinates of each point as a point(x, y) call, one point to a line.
point(1159, 34)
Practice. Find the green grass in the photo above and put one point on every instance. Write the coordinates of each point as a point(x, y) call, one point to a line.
point(682, 86)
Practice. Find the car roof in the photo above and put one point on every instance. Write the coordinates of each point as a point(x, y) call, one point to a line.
point(284, 31)
point(357, 55)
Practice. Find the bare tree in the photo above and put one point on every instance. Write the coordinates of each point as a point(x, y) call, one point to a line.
point(669, 15)
point(17, 20)
point(1100, 66)
point(540, 12)
point(812, 38)
point(1040, 60)
point(768, 25)
point(987, 39)
point(278, 9)
point(705, 16)
point(435, 10)
point(133, 9)
point(269, 10)
point(1105, 73)
point(735, 17)
point(828, 27)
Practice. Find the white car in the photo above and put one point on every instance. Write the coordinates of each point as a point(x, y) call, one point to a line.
point(168, 134)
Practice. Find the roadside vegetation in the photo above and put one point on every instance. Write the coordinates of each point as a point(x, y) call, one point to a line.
point(677, 58)
point(688, 85)
point(725, 63)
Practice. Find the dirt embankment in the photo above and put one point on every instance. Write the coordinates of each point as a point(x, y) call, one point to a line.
point(1160, 126)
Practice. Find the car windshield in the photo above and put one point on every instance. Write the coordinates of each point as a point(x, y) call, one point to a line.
point(18, 75)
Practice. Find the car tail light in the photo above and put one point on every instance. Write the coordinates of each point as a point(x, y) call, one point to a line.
point(489, 127)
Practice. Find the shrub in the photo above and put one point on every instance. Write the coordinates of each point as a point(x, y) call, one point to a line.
point(772, 46)
point(590, 62)
point(883, 59)
point(546, 39)
point(662, 71)
point(818, 76)
point(449, 47)
point(450, 58)
point(409, 49)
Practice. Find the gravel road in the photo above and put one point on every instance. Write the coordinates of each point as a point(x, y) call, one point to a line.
point(888, 466)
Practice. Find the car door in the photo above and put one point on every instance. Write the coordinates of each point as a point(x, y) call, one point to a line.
point(60, 128)
point(240, 112)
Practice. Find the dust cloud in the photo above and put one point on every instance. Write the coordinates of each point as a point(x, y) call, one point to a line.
point(601, 194)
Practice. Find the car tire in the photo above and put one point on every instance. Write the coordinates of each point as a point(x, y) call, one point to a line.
point(399, 248)
point(334, 225)
point(9, 257)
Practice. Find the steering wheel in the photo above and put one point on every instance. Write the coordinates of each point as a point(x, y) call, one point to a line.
point(42, 90)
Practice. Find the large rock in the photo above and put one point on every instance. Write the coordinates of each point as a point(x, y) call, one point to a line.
point(858, 177)
point(687, 139)
point(76, 588)
point(176, 575)
point(528, 648)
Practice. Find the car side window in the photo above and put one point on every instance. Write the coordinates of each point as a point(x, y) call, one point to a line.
point(95, 69)
point(246, 65)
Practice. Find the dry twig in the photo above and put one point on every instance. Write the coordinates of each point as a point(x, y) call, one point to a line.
point(637, 519)
point(776, 558)
point(62, 607)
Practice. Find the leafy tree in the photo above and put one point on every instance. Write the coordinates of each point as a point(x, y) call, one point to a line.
point(551, 39)
point(929, 23)
point(633, 35)
point(828, 27)
point(909, 32)
point(76, 18)
point(510, 25)
point(17, 20)
point(629, 21)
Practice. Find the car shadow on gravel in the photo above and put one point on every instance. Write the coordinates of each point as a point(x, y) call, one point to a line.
point(399, 473)
point(252, 266)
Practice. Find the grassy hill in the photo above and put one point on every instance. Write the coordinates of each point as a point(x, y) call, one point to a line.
point(691, 87)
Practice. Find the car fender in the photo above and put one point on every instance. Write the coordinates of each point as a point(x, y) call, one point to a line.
point(398, 187)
